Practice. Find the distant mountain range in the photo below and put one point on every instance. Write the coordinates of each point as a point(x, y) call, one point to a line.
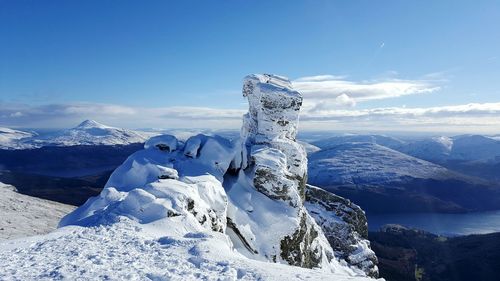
point(386, 174)
point(89, 132)
point(437, 148)
point(380, 173)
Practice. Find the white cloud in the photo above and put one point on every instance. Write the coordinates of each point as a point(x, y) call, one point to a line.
point(473, 117)
point(319, 78)
point(322, 90)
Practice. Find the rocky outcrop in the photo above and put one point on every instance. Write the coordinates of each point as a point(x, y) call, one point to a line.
point(272, 179)
point(252, 190)
point(345, 226)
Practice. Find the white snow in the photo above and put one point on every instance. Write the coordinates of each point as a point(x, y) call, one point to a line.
point(127, 250)
point(12, 139)
point(22, 215)
point(89, 132)
point(383, 140)
point(357, 163)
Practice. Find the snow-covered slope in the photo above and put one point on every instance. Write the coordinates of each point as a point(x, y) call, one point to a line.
point(203, 208)
point(386, 141)
point(127, 250)
point(431, 149)
point(90, 132)
point(12, 139)
point(458, 148)
point(22, 215)
point(436, 149)
point(475, 147)
point(368, 163)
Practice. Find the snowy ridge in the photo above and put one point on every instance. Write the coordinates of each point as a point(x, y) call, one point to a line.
point(437, 148)
point(358, 163)
point(24, 215)
point(13, 139)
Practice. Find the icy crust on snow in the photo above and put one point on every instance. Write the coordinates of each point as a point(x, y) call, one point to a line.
point(345, 226)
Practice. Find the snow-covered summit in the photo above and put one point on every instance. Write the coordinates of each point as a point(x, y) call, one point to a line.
point(89, 124)
point(369, 163)
point(208, 207)
point(90, 132)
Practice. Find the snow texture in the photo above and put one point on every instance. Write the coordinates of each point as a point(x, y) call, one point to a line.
point(368, 163)
point(23, 215)
point(127, 250)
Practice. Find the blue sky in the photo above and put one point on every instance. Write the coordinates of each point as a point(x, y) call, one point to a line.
point(388, 65)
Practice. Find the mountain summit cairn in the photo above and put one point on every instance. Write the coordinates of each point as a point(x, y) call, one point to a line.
point(246, 195)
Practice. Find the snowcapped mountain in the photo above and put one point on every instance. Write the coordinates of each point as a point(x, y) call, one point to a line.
point(431, 149)
point(368, 163)
point(386, 141)
point(475, 147)
point(209, 208)
point(90, 132)
point(10, 138)
point(24, 215)
point(380, 179)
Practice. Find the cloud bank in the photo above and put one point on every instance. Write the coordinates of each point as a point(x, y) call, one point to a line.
point(329, 104)
point(472, 117)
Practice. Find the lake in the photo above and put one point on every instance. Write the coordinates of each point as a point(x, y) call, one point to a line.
point(442, 224)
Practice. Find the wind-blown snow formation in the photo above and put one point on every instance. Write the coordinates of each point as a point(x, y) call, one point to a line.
point(215, 208)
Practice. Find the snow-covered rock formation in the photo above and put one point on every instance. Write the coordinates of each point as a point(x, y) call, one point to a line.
point(345, 226)
point(235, 208)
point(272, 180)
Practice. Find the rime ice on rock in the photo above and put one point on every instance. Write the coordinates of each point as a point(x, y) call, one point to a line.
point(266, 210)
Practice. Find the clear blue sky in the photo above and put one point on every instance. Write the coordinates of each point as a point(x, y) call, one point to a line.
point(150, 54)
